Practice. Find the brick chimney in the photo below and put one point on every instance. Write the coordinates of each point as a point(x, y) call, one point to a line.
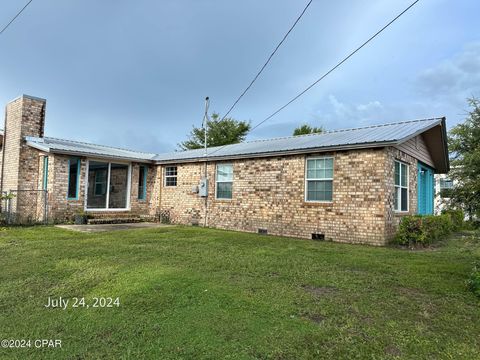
point(24, 116)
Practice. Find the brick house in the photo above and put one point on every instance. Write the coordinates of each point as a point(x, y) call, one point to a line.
point(349, 185)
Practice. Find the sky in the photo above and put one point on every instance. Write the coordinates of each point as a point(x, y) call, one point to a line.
point(135, 74)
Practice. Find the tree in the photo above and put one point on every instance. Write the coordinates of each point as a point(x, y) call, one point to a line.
point(464, 146)
point(307, 129)
point(220, 132)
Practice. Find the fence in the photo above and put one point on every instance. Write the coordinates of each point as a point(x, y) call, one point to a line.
point(25, 207)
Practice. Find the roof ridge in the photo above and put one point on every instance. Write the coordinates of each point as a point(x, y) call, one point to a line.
point(382, 125)
point(341, 130)
point(89, 143)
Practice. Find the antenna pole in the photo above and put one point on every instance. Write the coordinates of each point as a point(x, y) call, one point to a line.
point(205, 129)
point(205, 125)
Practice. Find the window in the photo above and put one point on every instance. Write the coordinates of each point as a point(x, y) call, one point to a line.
point(319, 179)
point(401, 187)
point(100, 182)
point(171, 176)
point(73, 173)
point(446, 186)
point(142, 183)
point(224, 181)
point(45, 173)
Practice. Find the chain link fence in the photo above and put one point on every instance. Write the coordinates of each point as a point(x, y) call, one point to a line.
point(24, 207)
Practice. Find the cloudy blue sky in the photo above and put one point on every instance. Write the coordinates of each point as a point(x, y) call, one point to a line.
point(135, 73)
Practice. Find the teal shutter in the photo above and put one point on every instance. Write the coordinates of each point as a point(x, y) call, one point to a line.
point(45, 172)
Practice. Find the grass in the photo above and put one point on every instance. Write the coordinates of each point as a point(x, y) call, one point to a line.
point(192, 293)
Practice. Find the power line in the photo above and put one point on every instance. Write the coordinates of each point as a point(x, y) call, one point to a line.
point(18, 14)
point(329, 71)
point(268, 60)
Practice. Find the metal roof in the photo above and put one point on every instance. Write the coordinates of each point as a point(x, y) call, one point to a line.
point(365, 137)
point(371, 136)
point(62, 146)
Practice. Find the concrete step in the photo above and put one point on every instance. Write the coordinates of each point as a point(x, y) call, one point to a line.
point(114, 220)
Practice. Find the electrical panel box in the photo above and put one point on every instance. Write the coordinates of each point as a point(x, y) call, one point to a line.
point(203, 187)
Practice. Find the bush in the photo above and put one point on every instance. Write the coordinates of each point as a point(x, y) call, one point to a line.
point(457, 217)
point(473, 282)
point(423, 230)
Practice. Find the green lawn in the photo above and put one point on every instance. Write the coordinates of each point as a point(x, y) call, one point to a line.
point(192, 293)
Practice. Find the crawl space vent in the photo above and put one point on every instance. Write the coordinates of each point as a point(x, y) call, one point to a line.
point(316, 236)
point(263, 231)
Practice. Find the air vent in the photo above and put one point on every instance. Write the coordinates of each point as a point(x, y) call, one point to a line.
point(263, 231)
point(316, 236)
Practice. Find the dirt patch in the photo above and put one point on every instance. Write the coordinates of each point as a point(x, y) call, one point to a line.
point(317, 319)
point(392, 350)
point(319, 291)
point(273, 275)
point(408, 291)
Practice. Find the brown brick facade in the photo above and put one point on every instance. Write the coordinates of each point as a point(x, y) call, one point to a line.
point(269, 193)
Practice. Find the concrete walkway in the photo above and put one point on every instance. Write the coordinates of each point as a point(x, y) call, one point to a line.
point(112, 227)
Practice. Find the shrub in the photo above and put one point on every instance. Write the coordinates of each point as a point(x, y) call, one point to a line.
point(423, 230)
point(410, 231)
point(473, 282)
point(458, 218)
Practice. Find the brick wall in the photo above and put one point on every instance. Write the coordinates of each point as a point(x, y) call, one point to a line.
point(24, 116)
point(393, 218)
point(269, 193)
point(62, 209)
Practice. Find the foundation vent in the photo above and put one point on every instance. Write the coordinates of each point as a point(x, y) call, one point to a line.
point(316, 236)
point(263, 231)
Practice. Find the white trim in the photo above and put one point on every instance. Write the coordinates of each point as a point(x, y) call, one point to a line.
point(399, 201)
point(165, 176)
point(85, 194)
point(109, 172)
point(306, 180)
point(216, 181)
point(129, 185)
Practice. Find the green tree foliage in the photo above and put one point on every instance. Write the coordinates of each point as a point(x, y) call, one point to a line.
point(220, 132)
point(306, 129)
point(464, 146)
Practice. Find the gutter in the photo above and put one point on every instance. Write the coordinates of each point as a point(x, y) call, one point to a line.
point(47, 149)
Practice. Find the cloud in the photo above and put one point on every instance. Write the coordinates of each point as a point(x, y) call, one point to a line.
point(455, 78)
point(337, 114)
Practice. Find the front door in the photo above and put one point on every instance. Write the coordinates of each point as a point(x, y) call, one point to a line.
point(425, 189)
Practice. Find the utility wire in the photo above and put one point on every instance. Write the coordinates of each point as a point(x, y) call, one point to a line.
point(268, 60)
point(329, 71)
point(18, 14)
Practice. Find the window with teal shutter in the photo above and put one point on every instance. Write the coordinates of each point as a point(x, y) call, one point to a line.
point(73, 178)
point(142, 183)
point(45, 172)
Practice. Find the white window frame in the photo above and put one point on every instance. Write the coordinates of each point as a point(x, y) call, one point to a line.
point(129, 185)
point(170, 176)
point(217, 182)
point(442, 182)
point(399, 199)
point(315, 179)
